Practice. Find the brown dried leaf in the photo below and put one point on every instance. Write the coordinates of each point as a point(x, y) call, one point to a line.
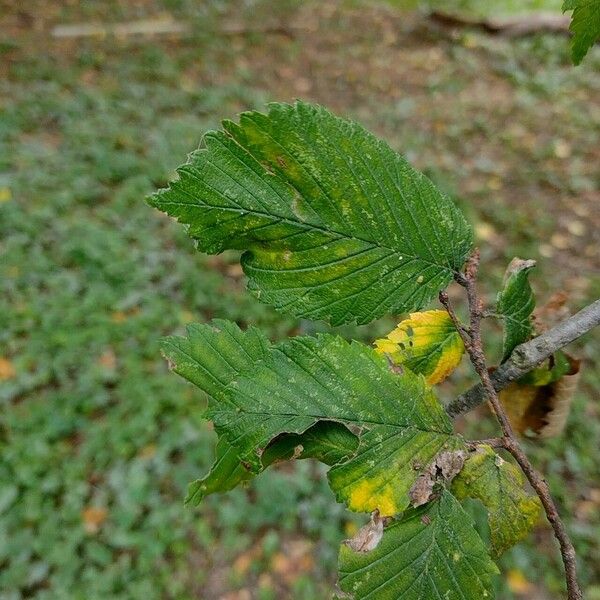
point(443, 469)
point(93, 517)
point(367, 538)
point(7, 370)
point(543, 409)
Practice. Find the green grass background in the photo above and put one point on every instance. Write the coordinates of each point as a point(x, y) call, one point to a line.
point(91, 278)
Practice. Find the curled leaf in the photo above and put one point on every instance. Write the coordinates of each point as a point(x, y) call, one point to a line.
point(427, 343)
point(515, 304)
point(540, 403)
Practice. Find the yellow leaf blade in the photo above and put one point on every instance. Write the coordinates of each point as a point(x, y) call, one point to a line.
point(427, 343)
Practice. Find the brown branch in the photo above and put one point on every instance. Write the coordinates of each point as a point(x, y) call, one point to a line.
point(474, 347)
point(507, 26)
point(527, 356)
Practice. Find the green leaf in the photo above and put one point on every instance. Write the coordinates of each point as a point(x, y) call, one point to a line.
point(427, 343)
point(226, 473)
point(326, 441)
point(512, 512)
point(432, 552)
point(335, 224)
point(585, 26)
point(400, 423)
point(212, 356)
point(551, 370)
point(515, 303)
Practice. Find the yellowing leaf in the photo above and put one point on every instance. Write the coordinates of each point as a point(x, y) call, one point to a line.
point(427, 343)
point(319, 397)
point(512, 512)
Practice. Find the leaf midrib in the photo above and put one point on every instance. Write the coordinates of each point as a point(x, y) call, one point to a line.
point(310, 227)
point(358, 421)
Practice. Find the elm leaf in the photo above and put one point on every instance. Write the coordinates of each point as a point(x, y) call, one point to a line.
point(585, 26)
point(334, 224)
point(431, 552)
point(512, 512)
point(212, 356)
point(515, 304)
point(400, 423)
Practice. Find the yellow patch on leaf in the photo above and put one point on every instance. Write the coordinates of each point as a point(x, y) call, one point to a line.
point(427, 343)
point(369, 495)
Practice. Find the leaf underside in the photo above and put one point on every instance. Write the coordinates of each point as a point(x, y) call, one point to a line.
point(540, 402)
point(335, 225)
point(515, 303)
point(512, 512)
point(427, 343)
point(432, 552)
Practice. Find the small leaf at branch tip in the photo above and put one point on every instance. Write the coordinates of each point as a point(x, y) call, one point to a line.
point(367, 538)
point(514, 304)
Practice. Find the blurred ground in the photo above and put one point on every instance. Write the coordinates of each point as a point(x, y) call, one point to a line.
point(97, 439)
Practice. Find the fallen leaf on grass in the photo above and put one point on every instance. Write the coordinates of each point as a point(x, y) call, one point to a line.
point(93, 517)
point(7, 370)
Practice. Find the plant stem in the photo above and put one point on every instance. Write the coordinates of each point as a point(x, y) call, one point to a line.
point(527, 356)
point(474, 346)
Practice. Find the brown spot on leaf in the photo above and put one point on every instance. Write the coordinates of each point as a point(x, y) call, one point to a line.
point(443, 469)
point(367, 538)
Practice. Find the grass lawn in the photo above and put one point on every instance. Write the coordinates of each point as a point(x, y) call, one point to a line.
point(97, 439)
